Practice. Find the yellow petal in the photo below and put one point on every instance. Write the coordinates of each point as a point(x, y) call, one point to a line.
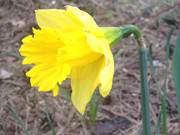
point(55, 90)
point(107, 73)
point(106, 78)
point(55, 18)
point(101, 45)
point(85, 19)
point(82, 16)
point(84, 81)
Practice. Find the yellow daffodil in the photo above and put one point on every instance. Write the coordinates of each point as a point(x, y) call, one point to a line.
point(69, 44)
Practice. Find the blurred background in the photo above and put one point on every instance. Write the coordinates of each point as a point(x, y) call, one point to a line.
point(24, 111)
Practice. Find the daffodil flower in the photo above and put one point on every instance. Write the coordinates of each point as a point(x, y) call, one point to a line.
point(69, 44)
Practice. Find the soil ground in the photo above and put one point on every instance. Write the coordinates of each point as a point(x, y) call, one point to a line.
point(25, 111)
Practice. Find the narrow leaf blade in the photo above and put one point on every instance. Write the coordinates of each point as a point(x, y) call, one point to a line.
point(176, 71)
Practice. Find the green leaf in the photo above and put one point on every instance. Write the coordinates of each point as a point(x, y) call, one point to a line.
point(65, 94)
point(94, 107)
point(176, 71)
point(158, 126)
point(164, 104)
point(11, 54)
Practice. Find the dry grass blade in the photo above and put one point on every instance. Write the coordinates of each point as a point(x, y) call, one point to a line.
point(18, 119)
point(53, 131)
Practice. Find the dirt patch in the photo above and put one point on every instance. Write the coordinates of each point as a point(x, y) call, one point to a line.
point(23, 110)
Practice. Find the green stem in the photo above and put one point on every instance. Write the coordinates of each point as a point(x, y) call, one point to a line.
point(145, 109)
point(115, 34)
point(130, 29)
